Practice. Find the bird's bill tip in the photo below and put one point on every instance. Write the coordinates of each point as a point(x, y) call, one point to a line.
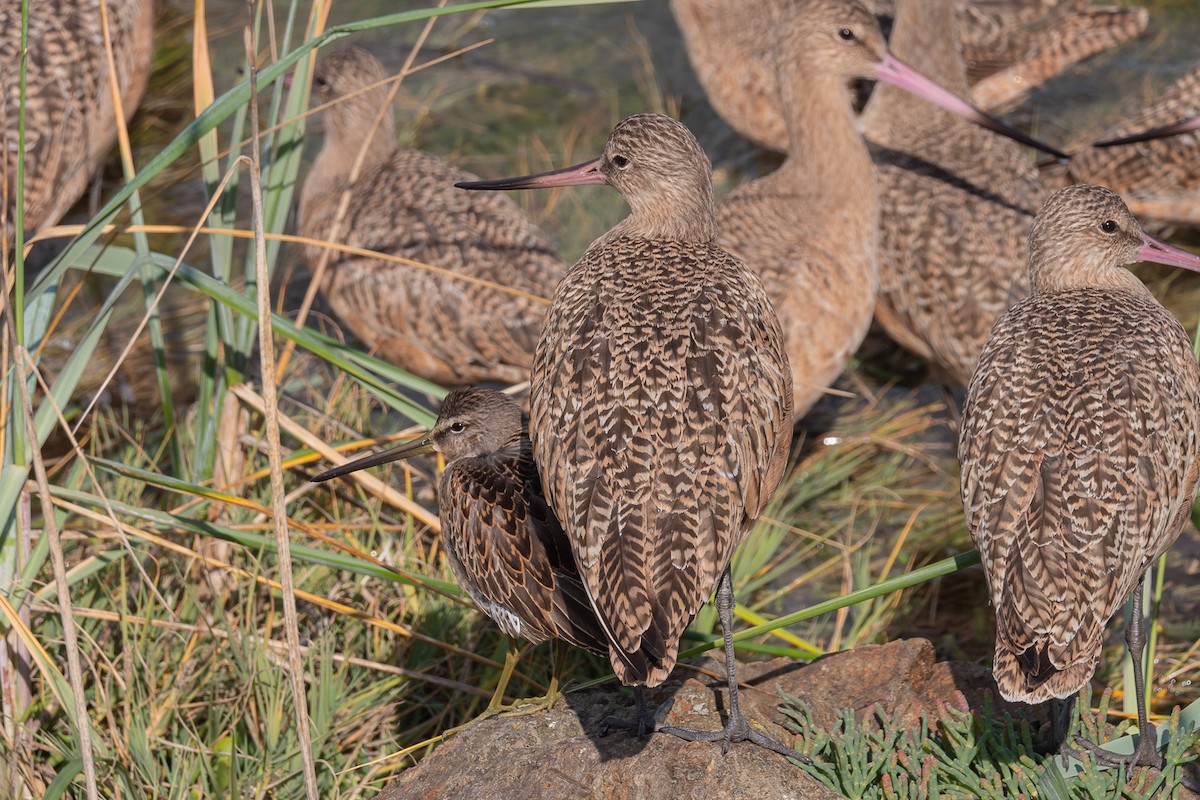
point(1187, 126)
point(1163, 253)
point(894, 71)
point(406, 450)
point(585, 174)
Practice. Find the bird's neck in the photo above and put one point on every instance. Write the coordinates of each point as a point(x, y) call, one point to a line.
point(676, 213)
point(1055, 268)
point(345, 140)
point(828, 163)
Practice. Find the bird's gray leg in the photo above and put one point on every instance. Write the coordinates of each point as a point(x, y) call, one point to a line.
point(1146, 754)
point(1058, 716)
point(736, 729)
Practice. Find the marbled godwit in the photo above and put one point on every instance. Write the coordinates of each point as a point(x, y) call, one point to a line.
point(70, 121)
point(1011, 48)
point(956, 206)
point(1152, 158)
point(447, 330)
point(502, 541)
point(730, 46)
point(661, 405)
point(811, 229)
point(1080, 448)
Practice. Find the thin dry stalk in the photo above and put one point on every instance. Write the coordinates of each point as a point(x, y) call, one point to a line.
point(82, 723)
point(266, 348)
point(67, 231)
point(348, 192)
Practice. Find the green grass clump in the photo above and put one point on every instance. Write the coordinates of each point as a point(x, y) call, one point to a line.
point(967, 755)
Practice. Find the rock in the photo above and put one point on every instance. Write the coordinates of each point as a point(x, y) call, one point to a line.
point(559, 753)
point(904, 677)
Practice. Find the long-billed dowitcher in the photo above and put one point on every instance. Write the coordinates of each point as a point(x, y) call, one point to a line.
point(1080, 448)
point(956, 206)
point(660, 407)
point(70, 117)
point(811, 228)
point(1014, 47)
point(1152, 158)
point(503, 543)
point(435, 325)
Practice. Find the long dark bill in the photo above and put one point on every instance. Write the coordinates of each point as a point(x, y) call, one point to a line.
point(894, 71)
point(585, 174)
point(1187, 126)
point(406, 450)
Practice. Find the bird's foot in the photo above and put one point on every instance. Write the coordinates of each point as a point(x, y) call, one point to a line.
point(520, 708)
point(1145, 755)
point(737, 729)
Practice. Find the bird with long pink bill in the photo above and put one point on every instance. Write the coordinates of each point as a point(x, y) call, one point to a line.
point(1011, 48)
point(1080, 450)
point(660, 407)
point(811, 228)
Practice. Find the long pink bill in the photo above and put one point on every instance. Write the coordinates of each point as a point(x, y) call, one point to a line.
point(406, 450)
point(584, 174)
point(894, 71)
point(1163, 253)
point(1187, 126)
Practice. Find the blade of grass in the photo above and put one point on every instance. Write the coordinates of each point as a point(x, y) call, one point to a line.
point(914, 578)
point(254, 542)
point(81, 721)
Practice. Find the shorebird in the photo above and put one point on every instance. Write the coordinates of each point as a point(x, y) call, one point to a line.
point(811, 228)
point(1011, 48)
point(481, 327)
point(730, 44)
point(660, 406)
point(70, 117)
point(503, 543)
point(1080, 448)
point(956, 206)
point(1152, 159)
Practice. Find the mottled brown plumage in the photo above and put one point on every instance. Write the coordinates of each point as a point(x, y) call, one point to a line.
point(956, 205)
point(70, 121)
point(1159, 177)
point(1014, 47)
point(447, 330)
point(503, 543)
point(660, 403)
point(1080, 444)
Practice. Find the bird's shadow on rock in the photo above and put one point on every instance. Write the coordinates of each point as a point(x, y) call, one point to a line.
point(607, 716)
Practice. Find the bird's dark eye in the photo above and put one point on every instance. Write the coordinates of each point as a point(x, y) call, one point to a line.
point(621, 161)
point(1108, 226)
point(846, 35)
point(319, 82)
point(458, 427)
